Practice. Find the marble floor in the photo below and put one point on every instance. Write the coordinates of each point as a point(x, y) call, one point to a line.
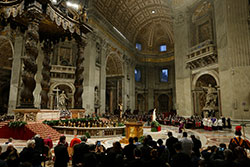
point(208, 138)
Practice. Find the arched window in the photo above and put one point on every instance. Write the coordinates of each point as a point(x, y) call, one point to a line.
point(138, 46)
point(137, 75)
point(163, 48)
point(164, 75)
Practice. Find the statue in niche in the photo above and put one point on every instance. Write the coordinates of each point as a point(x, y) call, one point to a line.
point(211, 96)
point(96, 96)
point(62, 105)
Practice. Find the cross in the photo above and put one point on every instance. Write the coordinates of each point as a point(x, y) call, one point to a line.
point(57, 96)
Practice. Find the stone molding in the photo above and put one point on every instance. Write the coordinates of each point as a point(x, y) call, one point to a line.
point(202, 55)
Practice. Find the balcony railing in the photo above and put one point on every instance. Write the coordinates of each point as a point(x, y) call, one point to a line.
point(202, 55)
point(66, 72)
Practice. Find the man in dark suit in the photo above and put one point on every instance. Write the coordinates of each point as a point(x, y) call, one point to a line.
point(180, 158)
point(61, 154)
point(128, 149)
point(79, 150)
point(170, 143)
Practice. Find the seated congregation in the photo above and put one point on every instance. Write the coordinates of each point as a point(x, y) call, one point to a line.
point(144, 152)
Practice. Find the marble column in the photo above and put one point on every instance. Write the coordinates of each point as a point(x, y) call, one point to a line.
point(29, 64)
point(45, 83)
point(102, 85)
point(89, 73)
point(127, 84)
point(38, 78)
point(182, 75)
point(16, 72)
point(111, 101)
point(79, 74)
point(117, 92)
point(132, 88)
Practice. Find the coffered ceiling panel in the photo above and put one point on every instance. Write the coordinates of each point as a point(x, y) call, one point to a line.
point(139, 20)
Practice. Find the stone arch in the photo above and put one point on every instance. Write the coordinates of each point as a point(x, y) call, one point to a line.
point(114, 75)
point(213, 73)
point(6, 54)
point(69, 90)
point(114, 64)
point(201, 80)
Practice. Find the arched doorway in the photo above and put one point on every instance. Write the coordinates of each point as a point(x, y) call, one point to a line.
point(56, 89)
point(114, 78)
point(163, 101)
point(6, 55)
point(141, 103)
point(199, 93)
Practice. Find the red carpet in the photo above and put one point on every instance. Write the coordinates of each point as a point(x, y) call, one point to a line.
point(43, 130)
point(28, 131)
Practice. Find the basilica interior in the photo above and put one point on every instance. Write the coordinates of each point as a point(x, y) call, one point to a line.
point(115, 57)
point(149, 54)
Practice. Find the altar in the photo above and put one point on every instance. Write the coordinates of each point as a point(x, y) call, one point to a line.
point(36, 115)
point(133, 129)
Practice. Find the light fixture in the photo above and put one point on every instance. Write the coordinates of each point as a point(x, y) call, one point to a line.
point(153, 11)
point(72, 5)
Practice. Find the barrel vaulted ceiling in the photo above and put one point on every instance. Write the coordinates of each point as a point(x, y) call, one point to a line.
point(149, 22)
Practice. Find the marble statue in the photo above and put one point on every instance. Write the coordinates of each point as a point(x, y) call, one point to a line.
point(62, 105)
point(120, 109)
point(211, 96)
point(96, 96)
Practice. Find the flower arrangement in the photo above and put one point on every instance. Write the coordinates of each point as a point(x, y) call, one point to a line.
point(155, 126)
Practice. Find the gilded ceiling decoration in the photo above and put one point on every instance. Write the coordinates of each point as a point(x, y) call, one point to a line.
point(148, 22)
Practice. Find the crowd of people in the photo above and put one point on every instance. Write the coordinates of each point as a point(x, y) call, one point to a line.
point(185, 151)
point(195, 121)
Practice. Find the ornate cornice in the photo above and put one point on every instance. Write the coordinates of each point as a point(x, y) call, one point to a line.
point(48, 10)
point(9, 2)
point(13, 9)
point(202, 55)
